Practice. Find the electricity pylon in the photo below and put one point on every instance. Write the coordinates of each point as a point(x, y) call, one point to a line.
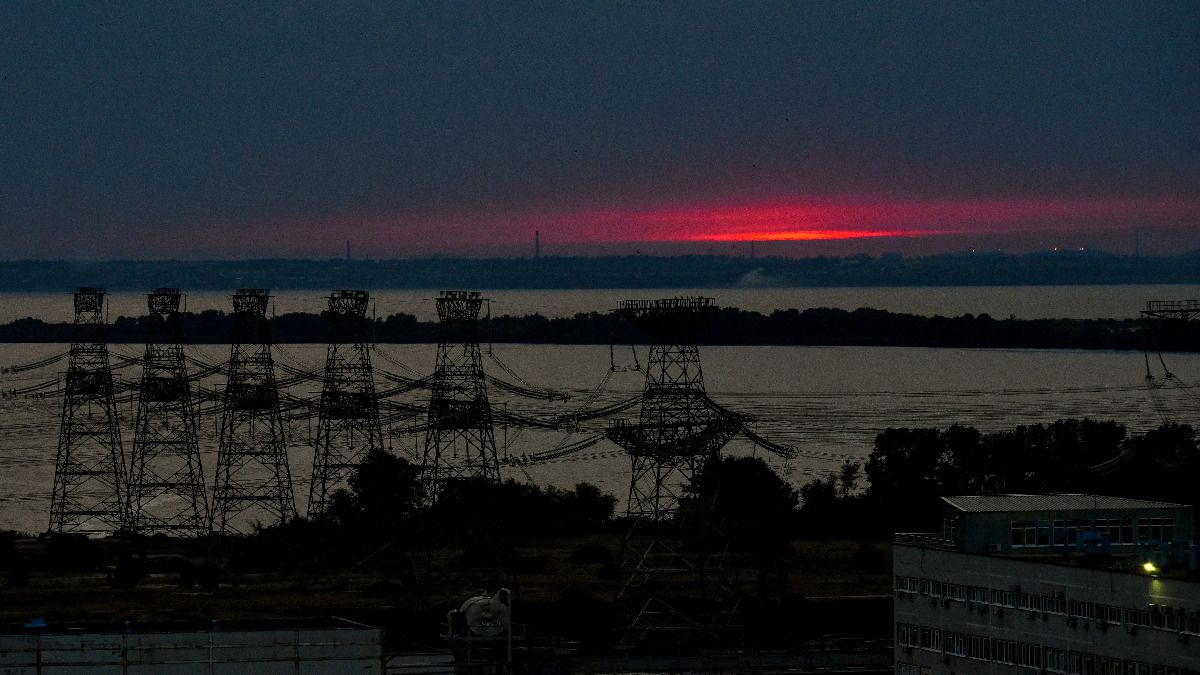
point(348, 424)
point(674, 553)
point(89, 472)
point(166, 481)
point(252, 463)
point(460, 442)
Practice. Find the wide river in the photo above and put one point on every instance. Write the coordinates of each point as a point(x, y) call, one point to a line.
point(827, 402)
point(1024, 302)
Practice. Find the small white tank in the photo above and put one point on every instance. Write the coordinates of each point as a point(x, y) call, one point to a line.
point(486, 615)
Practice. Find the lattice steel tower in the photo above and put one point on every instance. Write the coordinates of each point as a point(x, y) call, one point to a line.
point(348, 424)
point(460, 442)
point(166, 481)
point(89, 473)
point(678, 428)
point(674, 555)
point(252, 464)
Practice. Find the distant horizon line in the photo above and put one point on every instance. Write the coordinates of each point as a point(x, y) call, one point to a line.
point(603, 256)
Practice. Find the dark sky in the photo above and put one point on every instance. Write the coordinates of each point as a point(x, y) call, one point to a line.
point(221, 130)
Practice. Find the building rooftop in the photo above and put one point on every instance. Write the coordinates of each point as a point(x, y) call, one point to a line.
point(1052, 502)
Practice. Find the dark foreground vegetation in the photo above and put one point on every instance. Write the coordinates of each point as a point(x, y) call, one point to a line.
point(909, 469)
point(805, 562)
point(863, 327)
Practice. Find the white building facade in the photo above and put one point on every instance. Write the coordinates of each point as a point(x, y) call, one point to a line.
point(1049, 584)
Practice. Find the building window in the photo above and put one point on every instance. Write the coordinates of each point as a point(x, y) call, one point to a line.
point(1083, 610)
point(950, 529)
point(1029, 655)
point(1031, 601)
point(1060, 533)
point(1109, 613)
point(1004, 651)
point(1054, 604)
point(1156, 529)
point(956, 643)
point(906, 635)
point(1003, 598)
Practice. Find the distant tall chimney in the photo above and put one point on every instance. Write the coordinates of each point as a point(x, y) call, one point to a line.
point(537, 244)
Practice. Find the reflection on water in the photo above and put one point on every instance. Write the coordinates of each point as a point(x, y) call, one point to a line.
point(827, 401)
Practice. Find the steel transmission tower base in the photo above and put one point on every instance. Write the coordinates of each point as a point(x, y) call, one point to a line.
point(348, 426)
point(253, 478)
point(89, 472)
point(166, 481)
point(460, 442)
point(677, 589)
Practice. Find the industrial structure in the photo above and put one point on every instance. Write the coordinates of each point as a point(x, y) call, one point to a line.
point(89, 472)
point(1060, 583)
point(481, 634)
point(1181, 310)
point(675, 552)
point(348, 424)
point(460, 441)
point(252, 462)
point(166, 480)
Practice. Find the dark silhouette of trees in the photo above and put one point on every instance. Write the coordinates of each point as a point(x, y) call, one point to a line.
point(909, 469)
point(817, 326)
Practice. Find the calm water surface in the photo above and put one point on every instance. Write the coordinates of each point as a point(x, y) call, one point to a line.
point(827, 401)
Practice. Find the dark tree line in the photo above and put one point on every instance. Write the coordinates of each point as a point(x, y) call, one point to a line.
point(861, 327)
point(910, 469)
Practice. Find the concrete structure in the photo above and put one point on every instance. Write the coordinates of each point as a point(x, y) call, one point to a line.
point(1049, 584)
point(222, 650)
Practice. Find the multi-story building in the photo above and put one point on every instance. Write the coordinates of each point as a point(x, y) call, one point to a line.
point(1066, 583)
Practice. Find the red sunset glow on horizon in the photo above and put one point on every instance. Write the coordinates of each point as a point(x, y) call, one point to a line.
point(810, 220)
point(781, 220)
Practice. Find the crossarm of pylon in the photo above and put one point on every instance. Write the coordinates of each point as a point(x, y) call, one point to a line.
point(555, 453)
point(785, 451)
